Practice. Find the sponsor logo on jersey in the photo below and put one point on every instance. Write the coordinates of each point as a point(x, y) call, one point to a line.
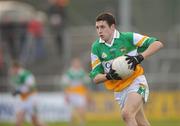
point(113, 52)
point(123, 50)
point(104, 55)
point(107, 65)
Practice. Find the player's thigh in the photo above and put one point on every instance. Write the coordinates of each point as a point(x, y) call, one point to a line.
point(31, 105)
point(78, 101)
point(20, 116)
point(133, 103)
point(139, 86)
point(141, 118)
point(34, 119)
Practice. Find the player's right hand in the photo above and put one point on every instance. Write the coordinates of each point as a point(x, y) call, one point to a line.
point(134, 60)
point(112, 75)
point(16, 92)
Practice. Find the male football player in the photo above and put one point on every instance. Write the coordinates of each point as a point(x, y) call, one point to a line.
point(130, 93)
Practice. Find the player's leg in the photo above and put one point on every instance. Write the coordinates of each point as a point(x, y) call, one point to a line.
point(141, 118)
point(32, 110)
point(35, 120)
point(81, 115)
point(131, 107)
point(34, 115)
point(20, 115)
point(78, 103)
point(20, 112)
point(71, 100)
point(132, 98)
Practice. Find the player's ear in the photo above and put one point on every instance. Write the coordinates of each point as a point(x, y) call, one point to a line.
point(112, 26)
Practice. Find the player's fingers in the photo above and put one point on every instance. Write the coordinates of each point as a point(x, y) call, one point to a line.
point(128, 58)
point(129, 62)
point(117, 76)
point(132, 67)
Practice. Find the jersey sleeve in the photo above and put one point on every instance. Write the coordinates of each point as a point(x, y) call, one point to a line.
point(29, 84)
point(142, 40)
point(95, 62)
point(30, 81)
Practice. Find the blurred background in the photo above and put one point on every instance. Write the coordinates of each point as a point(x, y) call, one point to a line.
point(45, 35)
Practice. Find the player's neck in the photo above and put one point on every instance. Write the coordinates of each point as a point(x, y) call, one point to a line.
point(110, 39)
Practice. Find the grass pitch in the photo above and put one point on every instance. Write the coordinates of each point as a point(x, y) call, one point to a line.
point(107, 123)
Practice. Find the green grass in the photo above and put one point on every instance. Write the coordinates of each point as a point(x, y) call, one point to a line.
point(109, 123)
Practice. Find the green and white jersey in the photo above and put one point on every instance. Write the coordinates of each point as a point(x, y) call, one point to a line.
point(75, 77)
point(75, 81)
point(102, 54)
point(23, 81)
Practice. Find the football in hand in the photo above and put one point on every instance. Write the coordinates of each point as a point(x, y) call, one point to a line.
point(122, 67)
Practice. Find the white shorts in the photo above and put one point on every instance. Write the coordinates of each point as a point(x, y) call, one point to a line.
point(76, 100)
point(139, 85)
point(29, 106)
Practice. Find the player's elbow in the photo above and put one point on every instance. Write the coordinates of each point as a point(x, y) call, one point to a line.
point(95, 81)
point(160, 44)
point(99, 78)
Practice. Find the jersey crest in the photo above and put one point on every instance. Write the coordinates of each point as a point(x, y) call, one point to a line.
point(104, 55)
point(123, 50)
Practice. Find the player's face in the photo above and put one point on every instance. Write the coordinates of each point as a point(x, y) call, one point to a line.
point(13, 70)
point(104, 31)
point(76, 64)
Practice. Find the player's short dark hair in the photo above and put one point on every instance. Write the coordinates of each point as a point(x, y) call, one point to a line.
point(106, 16)
point(16, 64)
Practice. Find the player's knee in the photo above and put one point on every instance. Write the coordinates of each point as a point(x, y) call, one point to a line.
point(144, 124)
point(142, 121)
point(127, 115)
point(18, 123)
point(35, 122)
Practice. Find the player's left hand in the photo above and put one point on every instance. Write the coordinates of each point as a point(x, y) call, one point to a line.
point(16, 92)
point(134, 60)
point(112, 75)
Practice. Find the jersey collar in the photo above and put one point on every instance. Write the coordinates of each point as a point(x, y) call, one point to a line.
point(116, 35)
point(20, 71)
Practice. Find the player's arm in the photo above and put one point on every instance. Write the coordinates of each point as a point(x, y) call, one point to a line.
point(97, 73)
point(18, 90)
point(28, 87)
point(153, 48)
point(99, 78)
point(111, 75)
point(147, 46)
